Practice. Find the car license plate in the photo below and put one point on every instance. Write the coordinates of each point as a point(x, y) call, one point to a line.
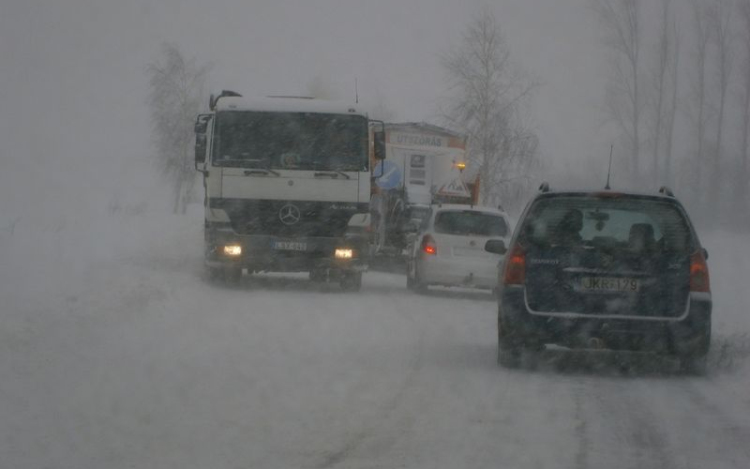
point(608, 284)
point(290, 245)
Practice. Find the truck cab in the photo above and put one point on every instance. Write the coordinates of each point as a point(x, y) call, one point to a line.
point(287, 187)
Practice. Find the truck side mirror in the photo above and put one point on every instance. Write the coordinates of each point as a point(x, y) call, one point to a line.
point(200, 128)
point(379, 145)
point(200, 149)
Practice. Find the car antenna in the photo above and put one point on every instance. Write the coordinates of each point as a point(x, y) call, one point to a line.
point(356, 91)
point(609, 171)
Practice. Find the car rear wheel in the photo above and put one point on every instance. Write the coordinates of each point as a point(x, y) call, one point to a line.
point(696, 366)
point(514, 351)
point(694, 357)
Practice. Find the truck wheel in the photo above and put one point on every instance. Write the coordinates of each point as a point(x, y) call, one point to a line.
point(351, 281)
point(213, 274)
point(232, 275)
point(318, 275)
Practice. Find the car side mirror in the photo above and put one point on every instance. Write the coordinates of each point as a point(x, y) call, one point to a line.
point(705, 253)
point(496, 246)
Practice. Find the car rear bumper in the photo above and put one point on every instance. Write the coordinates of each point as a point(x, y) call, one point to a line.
point(456, 271)
point(685, 334)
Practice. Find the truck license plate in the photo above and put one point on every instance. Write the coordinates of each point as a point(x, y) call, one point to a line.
point(290, 246)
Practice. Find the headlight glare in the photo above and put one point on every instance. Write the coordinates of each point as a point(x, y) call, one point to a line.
point(344, 253)
point(233, 250)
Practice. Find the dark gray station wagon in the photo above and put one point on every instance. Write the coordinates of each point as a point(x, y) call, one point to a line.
point(605, 270)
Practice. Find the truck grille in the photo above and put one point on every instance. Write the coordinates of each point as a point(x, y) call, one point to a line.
point(299, 219)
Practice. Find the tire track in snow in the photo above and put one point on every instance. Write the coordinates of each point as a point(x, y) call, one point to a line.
point(725, 424)
point(335, 457)
point(624, 415)
point(581, 432)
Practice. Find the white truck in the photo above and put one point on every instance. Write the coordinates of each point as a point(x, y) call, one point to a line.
point(424, 164)
point(287, 187)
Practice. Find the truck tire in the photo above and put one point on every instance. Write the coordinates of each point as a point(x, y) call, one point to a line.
point(213, 274)
point(232, 275)
point(351, 281)
point(318, 276)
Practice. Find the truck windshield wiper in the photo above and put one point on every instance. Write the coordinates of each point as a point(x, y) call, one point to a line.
point(261, 172)
point(334, 173)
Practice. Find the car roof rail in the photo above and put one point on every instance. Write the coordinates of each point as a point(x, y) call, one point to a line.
point(666, 191)
point(544, 187)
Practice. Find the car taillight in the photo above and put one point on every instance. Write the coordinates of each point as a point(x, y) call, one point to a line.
point(515, 267)
point(428, 245)
point(699, 281)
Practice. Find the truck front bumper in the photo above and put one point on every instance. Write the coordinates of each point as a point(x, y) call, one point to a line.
point(259, 253)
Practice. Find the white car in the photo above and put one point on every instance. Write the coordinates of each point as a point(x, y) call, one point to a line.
point(449, 247)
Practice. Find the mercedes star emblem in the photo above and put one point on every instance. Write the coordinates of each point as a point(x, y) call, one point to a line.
point(289, 214)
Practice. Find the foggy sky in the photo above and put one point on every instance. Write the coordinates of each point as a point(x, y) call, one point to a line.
point(73, 87)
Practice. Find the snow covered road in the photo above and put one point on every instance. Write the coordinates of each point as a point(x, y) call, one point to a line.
point(127, 358)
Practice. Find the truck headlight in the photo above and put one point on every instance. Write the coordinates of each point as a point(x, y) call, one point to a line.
point(233, 250)
point(344, 253)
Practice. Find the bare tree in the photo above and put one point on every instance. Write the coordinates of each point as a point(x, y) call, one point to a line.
point(744, 176)
point(176, 91)
point(671, 115)
point(620, 20)
point(662, 116)
point(489, 97)
point(720, 15)
point(702, 38)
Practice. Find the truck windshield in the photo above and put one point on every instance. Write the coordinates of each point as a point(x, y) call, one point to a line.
point(282, 140)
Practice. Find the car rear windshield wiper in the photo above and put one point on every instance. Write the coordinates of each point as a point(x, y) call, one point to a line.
point(261, 172)
point(334, 173)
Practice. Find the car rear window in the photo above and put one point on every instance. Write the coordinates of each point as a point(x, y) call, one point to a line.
point(632, 223)
point(469, 222)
